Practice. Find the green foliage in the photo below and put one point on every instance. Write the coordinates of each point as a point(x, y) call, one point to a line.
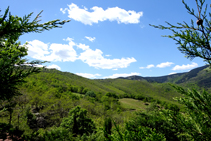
point(109, 94)
point(12, 52)
point(107, 128)
point(198, 107)
point(193, 41)
point(55, 134)
point(91, 94)
point(141, 133)
point(78, 123)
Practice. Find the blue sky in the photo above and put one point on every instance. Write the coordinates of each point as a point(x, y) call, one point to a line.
point(107, 38)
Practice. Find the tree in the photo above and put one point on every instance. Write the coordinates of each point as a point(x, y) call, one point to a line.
point(194, 39)
point(14, 68)
point(91, 94)
point(78, 123)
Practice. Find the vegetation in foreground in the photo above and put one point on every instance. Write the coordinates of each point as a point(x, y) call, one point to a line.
point(53, 112)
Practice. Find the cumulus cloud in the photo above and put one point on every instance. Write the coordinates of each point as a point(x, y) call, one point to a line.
point(83, 46)
point(51, 52)
point(163, 65)
point(95, 59)
point(66, 52)
point(53, 66)
point(88, 75)
point(185, 67)
point(90, 38)
point(147, 67)
point(116, 75)
point(150, 66)
point(99, 14)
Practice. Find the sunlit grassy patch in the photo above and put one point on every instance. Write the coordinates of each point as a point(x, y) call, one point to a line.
point(133, 104)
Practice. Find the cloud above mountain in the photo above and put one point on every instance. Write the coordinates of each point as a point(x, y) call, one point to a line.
point(67, 53)
point(89, 75)
point(161, 65)
point(185, 67)
point(116, 75)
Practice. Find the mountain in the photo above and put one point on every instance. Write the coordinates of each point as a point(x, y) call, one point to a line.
point(160, 79)
point(201, 76)
point(54, 81)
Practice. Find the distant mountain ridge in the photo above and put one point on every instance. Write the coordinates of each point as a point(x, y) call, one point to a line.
point(160, 79)
point(197, 74)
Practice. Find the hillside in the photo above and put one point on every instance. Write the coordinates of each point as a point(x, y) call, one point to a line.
point(160, 79)
point(200, 77)
point(49, 95)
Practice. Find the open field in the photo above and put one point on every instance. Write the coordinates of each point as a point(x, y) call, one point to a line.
point(133, 104)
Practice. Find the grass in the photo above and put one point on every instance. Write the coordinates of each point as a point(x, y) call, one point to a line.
point(133, 104)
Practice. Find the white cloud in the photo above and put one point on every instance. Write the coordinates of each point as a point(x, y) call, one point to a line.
point(99, 14)
point(52, 52)
point(147, 67)
point(163, 65)
point(185, 67)
point(141, 67)
point(90, 38)
point(66, 52)
point(83, 46)
point(116, 75)
point(95, 59)
point(88, 75)
point(54, 67)
point(68, 39)
point(172, 73)
point(150, 66)
point(37, 49)
point(107, 55)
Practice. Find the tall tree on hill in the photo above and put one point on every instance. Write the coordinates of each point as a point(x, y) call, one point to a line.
point(194, 41)
point(12, 63)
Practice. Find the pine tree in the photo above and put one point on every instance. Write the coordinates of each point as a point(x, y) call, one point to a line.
point(13, 67)
point(194, 41)
point(12, 64)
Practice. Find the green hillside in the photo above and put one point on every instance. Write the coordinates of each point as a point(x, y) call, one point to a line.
point(197, 78)
point(51, 94)
point(48, 79)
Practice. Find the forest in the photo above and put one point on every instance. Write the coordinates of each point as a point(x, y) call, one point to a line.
point(41, 104)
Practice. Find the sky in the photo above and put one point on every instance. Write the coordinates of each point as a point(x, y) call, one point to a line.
point(107, 38)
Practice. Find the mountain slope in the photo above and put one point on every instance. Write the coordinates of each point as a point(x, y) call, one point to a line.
point(200, 76)
point(55, 80)
point(160, 79)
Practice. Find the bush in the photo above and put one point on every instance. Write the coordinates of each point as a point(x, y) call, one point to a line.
point(90, 94)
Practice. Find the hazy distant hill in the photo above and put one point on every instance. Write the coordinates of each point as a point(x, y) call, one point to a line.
point(200, 76)
point(160, 79)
